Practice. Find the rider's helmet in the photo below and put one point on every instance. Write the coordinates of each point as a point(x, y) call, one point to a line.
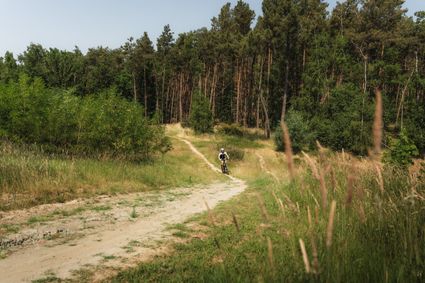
point(222, 150)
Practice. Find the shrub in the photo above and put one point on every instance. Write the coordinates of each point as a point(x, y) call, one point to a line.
point(300, 131)
point(414, 123)
point(101, 124)
point(343, 121)
point(235, 130)
point(201, 118)
point(401, 150)
point(231, 130)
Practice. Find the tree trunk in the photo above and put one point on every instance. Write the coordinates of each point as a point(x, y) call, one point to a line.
point(181, 98)
point(213, 89)
point(263, 102)
point(401, 104)
point(134, 87)
point(365, 59)
point(145, 91)
point(173, 91)
point(285, 91)
point(162, 94)
point(238, 91)
point(245, 96)
point(286, 87)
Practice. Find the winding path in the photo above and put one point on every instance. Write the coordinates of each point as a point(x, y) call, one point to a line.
point(113, 241)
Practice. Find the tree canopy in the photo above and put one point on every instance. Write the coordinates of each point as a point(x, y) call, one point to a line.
point(296, 56)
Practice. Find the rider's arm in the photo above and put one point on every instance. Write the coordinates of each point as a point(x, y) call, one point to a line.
point(227, 156)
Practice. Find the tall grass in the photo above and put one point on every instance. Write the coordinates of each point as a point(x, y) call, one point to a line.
point(29, 177)
point(372, 231)
point(377, 237)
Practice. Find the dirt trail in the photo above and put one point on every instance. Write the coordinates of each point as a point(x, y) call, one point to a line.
point(114, 238)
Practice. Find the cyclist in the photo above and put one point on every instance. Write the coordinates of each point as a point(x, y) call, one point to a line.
point(223, 156)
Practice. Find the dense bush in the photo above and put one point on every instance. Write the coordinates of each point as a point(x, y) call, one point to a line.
point(343, 120)
point(414, 123)
point(302, 136)
point(231, 130)
point(60, 121)
point(237, 131)
point(401, 150)
point(201, 118)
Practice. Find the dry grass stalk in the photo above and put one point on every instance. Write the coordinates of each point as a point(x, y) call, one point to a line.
point(323, 190)
point(316, 215)
point(319, 146)
point(350, 190)
point(329, 230)
point(380, 179)
point(312, 165)
point(270, 253)
point(289, 201)
point(315, 253)
point(314, 198)
point(377, 125)
point(288, 150)
point(310, 222)
point(334, 182)
point(305, 256)
point(279, 202)
point(235, 222)
point(318, 174)
point(210, 215)
point(321, 151)
point(362, 214)
point(313, 242)
point(263, 208)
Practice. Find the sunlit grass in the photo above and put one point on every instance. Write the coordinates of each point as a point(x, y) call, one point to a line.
point(376, 236)
point(28, 178)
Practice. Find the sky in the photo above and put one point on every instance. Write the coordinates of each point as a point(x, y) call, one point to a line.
point(65, 24)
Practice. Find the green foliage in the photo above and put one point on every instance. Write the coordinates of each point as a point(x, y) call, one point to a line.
point(345, 120)
point(302, 136)
point(201, 118)
point(401, 150)
point(60, 121)
point(297, 49)
point(231, 130)
point(414, 124)
point(236, 131)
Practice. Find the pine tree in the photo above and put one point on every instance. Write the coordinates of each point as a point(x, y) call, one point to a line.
point(201, 119)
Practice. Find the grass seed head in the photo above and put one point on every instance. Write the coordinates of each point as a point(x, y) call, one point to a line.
point(305, 256)
point(288, 150)
point(329, 230)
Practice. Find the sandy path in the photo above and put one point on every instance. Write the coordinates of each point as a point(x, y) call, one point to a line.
point(34, 261)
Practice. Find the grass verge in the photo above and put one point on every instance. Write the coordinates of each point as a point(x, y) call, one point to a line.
point(28, 178)
point(368, 227)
